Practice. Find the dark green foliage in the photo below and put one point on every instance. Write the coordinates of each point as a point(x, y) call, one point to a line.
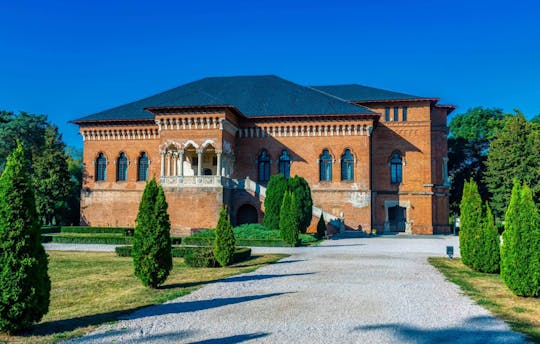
point(24, 281)
point(99, 238)
point(202, 257)
point(152, 258)
point(87, 229)
point(277, 185)
point(224, 243)
point(50, 229)
point(288, 221)
point(468, 146)
point(488, 257)
point(304, 203)
point(471, 224)
point(321, 228)
point(520, 252)
point(514, 153)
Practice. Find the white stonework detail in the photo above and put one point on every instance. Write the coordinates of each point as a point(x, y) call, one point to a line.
point(360, 199)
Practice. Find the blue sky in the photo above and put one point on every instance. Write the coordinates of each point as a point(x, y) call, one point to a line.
point(68, 59)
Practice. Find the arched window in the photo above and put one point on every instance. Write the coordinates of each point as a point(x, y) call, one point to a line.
point(347, 165)
point(263, 166)
point(101, 167)
point(285, 164)
point(121, 167)
point(325, 166)
point(396, 166)
point(142, 167)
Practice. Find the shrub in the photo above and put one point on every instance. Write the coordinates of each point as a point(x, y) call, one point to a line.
point(202, 256)
point(304, 203)
point(152, 258)
point(488, 258)
point(520, 252)
point(321, 228)
point(87, 229)
point(276, 188)
point(471, 224)
point(224, 242)
point(24, 279)
point(50, 229)
point(288, 221)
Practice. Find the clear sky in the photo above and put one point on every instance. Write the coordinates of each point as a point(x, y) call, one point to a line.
point(67, 59)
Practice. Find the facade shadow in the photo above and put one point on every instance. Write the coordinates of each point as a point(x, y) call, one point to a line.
point(233, 339)
point(194, 306)
point(168, 337)
point(482, 329)
point(288, 261)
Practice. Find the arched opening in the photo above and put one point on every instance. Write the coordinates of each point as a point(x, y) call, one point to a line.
point(285, 164)
point(347, 166)
point(101, 167)
point(121, 167)
point(325, 166)
point(142, 167)
point(263, 162)
point(396, 168)
point(247, 214)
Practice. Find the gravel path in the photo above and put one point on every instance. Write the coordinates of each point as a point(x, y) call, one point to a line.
point(80, 247)
point(345, 291)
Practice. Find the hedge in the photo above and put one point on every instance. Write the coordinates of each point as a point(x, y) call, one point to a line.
point(87, 229)
point(112, 239)
point(195, 256)
point(206, 241)
point(50, 229)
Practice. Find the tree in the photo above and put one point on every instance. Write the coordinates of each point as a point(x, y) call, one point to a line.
point(304, 203)
point(471, 224)
point(277, 185)
point(321, 227)
point(520, 251)
point(224, 243)
point(52, 178)
point(288, 221)
point(513, 154)
point(24, 279)
point(152, 259)
point(468, 146)
point(489, 248)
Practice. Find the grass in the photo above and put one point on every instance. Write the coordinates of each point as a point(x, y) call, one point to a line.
point(89, 289)
point(488, 290)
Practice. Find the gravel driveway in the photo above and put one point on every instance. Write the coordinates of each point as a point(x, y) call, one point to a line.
point(378, 290)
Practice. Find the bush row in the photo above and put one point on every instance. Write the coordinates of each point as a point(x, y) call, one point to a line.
point(195, 256)
point(87, 229)
point(112, 239)
point(50, 229)
point(208, 241)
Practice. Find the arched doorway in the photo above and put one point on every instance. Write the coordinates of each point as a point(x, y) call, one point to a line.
point(247, 214)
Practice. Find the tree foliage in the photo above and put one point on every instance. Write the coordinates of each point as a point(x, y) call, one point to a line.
point(152, 258)
point(488, 258)
point(520, 252)
point(468, 146)
point(288, 221)
point(321, 228)
point(514, 153)
point(277, 185)
point(471, 223)
point(304, 203)
point(224, 243)
point(24, 279)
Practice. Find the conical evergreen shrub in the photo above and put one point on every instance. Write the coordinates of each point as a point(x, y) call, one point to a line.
point(225, 243)
point(471, 224)
point(152, 258)
point(321, 228)
point(488, 259)
point(288, 221)
point(24, 282)
point(520, 251)
point(304, 203)
point(276, 188)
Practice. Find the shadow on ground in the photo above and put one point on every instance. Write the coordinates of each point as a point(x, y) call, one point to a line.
point(232, 279)
point(233, 339)
point(482, 329)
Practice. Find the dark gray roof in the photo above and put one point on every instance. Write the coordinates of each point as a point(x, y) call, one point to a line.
point(354, 92)
point(253, 96)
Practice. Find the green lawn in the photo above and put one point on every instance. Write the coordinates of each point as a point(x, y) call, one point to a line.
point(90, 288)
point(488, 290)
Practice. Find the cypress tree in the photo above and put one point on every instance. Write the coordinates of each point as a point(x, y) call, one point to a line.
point(304, 203)
point(23, 277)
point(224, 243)
point(489, 249)
point(471, 224)
point(277, 185)
point(321, 228)
point(288, 221)
point(152, 259)
point(520, 252)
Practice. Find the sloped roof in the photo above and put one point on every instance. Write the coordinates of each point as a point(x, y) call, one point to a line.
point(358, 93)
point(253, 96)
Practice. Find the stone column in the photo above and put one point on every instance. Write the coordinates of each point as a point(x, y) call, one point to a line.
point(199, 162)
point(163, 164)
point(174, 162)
point(169, 157)
point(181, 163)
point(218, 164)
